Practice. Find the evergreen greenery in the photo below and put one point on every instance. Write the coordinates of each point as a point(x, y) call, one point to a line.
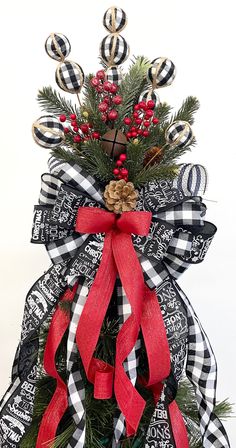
point(99, 413)
point(91, 156)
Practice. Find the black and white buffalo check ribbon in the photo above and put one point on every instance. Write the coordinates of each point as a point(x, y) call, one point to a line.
point(179, 236)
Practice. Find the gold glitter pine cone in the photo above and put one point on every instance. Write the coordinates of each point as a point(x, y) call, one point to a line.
point(120, 196)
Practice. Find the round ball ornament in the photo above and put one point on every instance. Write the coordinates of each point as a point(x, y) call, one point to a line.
point(70, 76)
point(57, 46)
point(48, 132)
point(161, 73)
point(179, 134)
point(114, 143)
point(114, 20)
point(150, 94)
point(114, 49)
point(114, 75)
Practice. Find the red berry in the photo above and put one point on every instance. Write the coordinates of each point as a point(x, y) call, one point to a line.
point(113, 88)
point(149, 113)
point(129, 134)
point(117, 100)
point(113, 115)
point(62, 118)
point(100, 74)
point(116, 171)
point(136, 107)
point(119, 163)
point(135, 115)
point(123, 157)
point(73, 117)
point(107, 86)
point(150, 104)
point(77, 139)
point(74, 123)
point(84, 128)
point(107, 100)
point(133, 129)
point(124, 172)
point(66, 130)
point(145, 133)
point(126, 179)
point(155, 120)
point(90, 125)
point(104, 117)
point(94, 81)
point(127, 121)
point(143, 105)
point(138, 121)
point(119, 176)
point(95, 135)
point(99, 89)
point(76, 128)
point(103, 107)
point(139, 132)
point(146, 124)
point(134, 134)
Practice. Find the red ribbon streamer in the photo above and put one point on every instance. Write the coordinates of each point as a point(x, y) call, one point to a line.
point(178, 426)
point(58, 403)
point(119, 256)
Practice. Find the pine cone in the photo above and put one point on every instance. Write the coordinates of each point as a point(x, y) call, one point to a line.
point(120, 196)
point(153, 156)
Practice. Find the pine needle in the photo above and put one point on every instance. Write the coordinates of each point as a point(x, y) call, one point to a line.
point(133, 84)
point(52, 102)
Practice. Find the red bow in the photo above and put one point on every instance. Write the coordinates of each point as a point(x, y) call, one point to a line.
point(119, 257)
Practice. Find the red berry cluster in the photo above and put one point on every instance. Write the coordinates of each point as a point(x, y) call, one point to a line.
point(120, 172)
point(109, 97)
point(80, 132)
point(141, 120)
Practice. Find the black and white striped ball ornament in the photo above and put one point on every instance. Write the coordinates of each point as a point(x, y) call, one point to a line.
point(57, 46)
point(115, 20)
point(114, 49)
point(70, 76)
point(48, 131)
point(161, 73)
point(179, 134)
point(114, 75)
point(150, 95)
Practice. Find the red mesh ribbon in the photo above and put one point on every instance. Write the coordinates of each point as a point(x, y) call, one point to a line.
point(58, 403)
point(119, 257)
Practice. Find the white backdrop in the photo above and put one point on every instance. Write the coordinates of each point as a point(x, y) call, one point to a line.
point(198, 37)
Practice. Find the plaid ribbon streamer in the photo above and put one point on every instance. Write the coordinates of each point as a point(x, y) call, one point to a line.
point(201, 369)
point(76, 388)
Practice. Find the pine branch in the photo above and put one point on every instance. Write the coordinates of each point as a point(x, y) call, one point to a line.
point(172, 154)
point(52, 102)
point(186, 113)
point(64, 154)
point(134, 82)
point(155, 172)
point(135, 156)
point(95, 161)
